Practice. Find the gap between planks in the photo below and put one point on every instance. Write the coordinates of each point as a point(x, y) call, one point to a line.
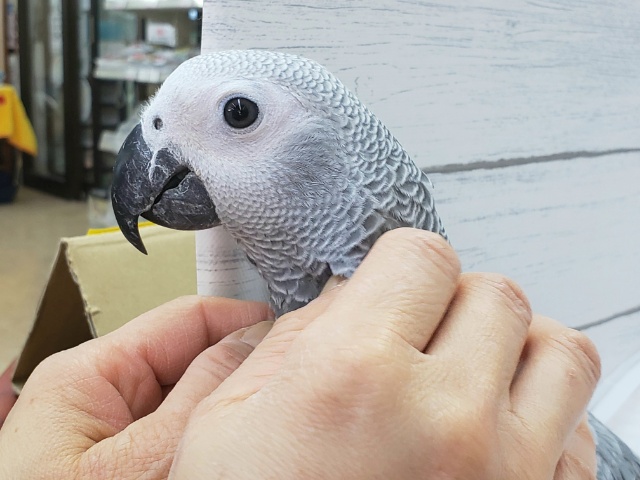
point(610, 318)
point(519, 161)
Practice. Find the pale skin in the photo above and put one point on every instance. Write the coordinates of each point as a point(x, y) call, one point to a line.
point(409, 370)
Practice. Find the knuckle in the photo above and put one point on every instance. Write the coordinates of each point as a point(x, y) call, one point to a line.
point(570, 466)
point(359, 362)
point(50, 364)
point(423, 245)
point(204, 307)
point(187, 303)
point(56, 369)
point(580, 351)
point(356, 373)
point(505, 290)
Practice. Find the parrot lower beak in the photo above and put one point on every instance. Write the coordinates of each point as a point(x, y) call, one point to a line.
point(171, 196)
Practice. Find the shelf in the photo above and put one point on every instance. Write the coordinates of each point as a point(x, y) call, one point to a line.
point(135, 73)
point(141, 44)
point(141, 63)
point(111, 140)
point(151, 4)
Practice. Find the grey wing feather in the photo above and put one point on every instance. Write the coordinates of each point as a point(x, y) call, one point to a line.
point(292, 295)
point(393, 191)
point(403, 191)
point(616, 461)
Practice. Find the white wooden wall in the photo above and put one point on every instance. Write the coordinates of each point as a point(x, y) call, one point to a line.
point(527, 113)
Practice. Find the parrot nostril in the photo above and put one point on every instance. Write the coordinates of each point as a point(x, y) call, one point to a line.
point(157, 123)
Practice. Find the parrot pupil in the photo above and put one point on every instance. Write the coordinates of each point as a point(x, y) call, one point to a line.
point(240, 112)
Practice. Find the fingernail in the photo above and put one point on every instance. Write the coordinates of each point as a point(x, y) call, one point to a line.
point(256, 333)
point(271, 316)
point(333, 283)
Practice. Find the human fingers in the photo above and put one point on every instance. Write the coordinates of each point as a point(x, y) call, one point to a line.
point(402, 288)
point(149, 443)
point(154, 350)
point(7, 395)
point(212, 367)
point(578, 461)
point(269, 355)
point(556, 379)
point(333, 282)
point(488, 320)
point(71, 417)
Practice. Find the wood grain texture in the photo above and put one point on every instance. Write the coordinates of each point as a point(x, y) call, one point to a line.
point(548, 86)
point(461, 82)
point(567, 231)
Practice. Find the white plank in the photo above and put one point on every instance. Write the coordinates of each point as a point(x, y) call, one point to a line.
point(618, 342)
point(617, 399)
point(567, 231)
point(459, 81)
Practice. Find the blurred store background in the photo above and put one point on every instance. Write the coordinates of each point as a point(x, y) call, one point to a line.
point(82, 70)
point(73, 75)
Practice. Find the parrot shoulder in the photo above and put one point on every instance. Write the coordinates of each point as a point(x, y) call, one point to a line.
point(405, 193)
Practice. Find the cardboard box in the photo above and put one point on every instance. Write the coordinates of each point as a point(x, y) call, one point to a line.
point(100, 282)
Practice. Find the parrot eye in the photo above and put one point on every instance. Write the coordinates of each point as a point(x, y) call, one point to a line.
point(240, 112)
point(157, 123)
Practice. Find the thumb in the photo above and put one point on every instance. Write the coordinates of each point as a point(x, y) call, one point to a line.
point(150, 442)
point(213, 366)
point(269, 356)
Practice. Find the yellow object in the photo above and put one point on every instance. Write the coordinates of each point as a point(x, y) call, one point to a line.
point(98, 231)
point(14, 123)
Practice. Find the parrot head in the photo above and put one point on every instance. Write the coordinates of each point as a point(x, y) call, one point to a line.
point(234, 138)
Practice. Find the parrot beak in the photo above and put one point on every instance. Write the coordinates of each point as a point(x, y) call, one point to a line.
point(171, 196)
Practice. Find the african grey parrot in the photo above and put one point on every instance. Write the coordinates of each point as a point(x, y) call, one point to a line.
point(305, 178)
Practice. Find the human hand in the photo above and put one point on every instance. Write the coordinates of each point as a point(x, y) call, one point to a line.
point(115, 407)
point(410, 370)
point(7, 395)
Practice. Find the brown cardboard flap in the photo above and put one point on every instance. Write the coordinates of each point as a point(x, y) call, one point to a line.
point(100, 282)
point(60, 321)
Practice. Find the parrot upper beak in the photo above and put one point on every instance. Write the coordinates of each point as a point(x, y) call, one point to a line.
point(172, 196)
